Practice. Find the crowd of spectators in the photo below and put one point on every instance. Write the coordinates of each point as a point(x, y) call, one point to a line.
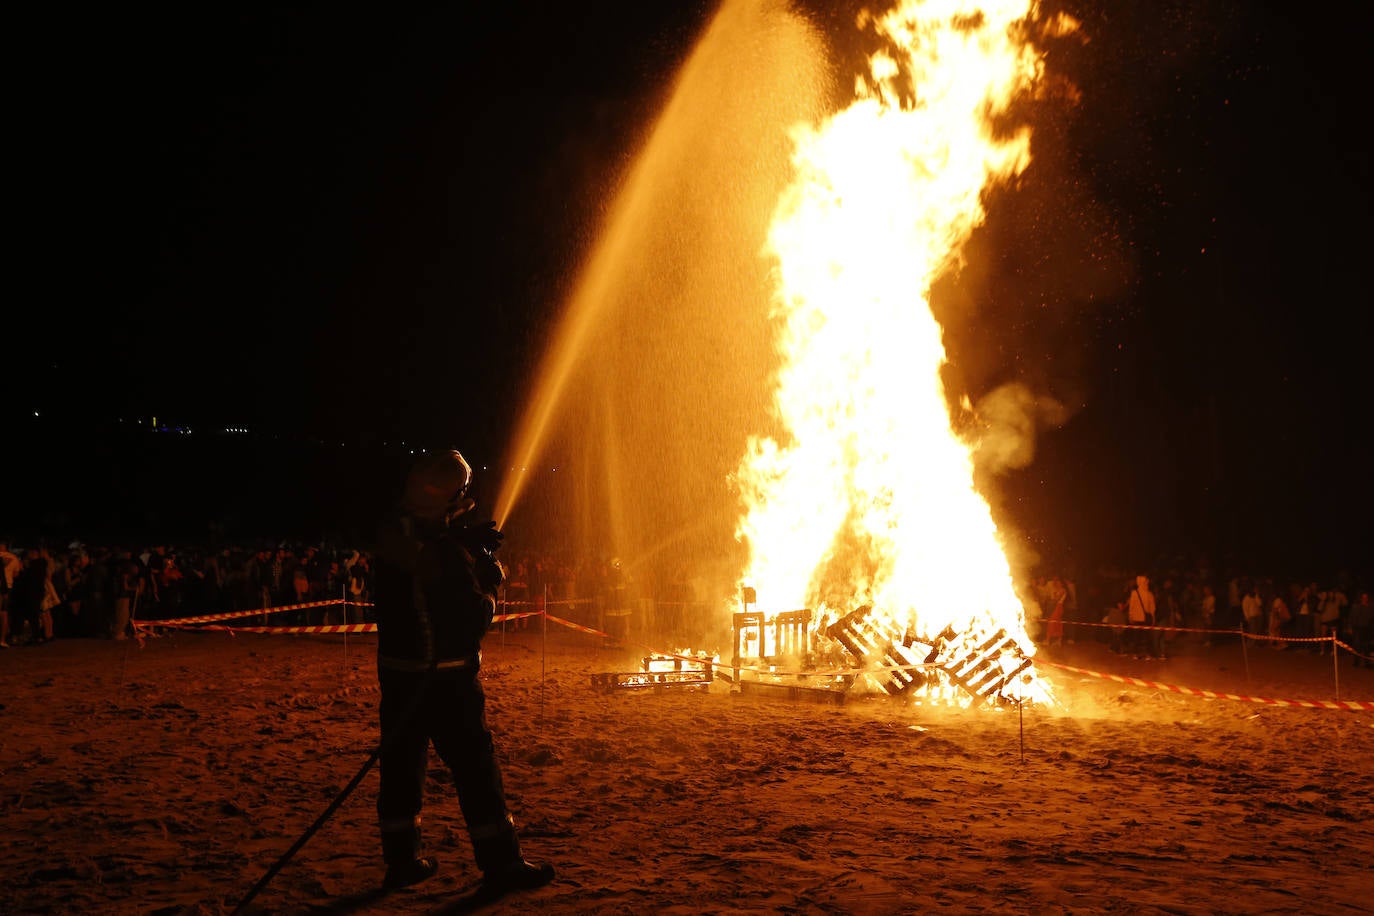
point(80, 590)
point(1148, 619)
point(97, 591)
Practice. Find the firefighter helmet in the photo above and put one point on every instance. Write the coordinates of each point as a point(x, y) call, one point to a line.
point(437, 485)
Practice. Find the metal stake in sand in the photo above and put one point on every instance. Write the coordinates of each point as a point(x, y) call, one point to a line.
point(1245, 654)
point(543, 648)
point(130, 632)
point(1021, 721)
point(123, 666)
point(504, 607)
point(1336, 664)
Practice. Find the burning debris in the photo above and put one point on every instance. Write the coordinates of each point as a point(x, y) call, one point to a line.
point(982, 668)
point(784, 639)
point(974, 666)
point(661, 671)
point(871, 643)
point(987, 670)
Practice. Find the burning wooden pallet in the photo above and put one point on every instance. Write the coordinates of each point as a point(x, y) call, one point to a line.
point(759, 638)
point(905, 662)
point(764, 643)
point(783, 639)
point(870, 643)
point(660, 671)
point(980, 668)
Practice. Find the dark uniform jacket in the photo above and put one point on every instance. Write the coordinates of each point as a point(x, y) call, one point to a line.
point(431, 607)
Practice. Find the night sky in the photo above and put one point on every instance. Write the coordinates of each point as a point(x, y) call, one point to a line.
point(357, 226)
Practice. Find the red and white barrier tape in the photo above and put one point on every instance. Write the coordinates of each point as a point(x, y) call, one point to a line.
point(1241, 633)
point(1369, 660)
point(332, 628)
point(326, 628)
point(1265, 636)
point(1131, 626)
point(502, 618)
point(1211, 694)
point(576, 626)
point(1178, 629)
point(551, 602)
point(237, 615)
point(197, 623)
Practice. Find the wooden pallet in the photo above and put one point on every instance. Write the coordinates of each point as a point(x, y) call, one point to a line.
point(640, 680)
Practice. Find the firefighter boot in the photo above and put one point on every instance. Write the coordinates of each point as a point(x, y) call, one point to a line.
point(403, 866)
point(504, 868)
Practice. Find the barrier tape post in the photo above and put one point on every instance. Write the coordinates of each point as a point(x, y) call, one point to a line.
point(1021, 722)
point(1336, 664)
point(1245, 653)
point(123, 666)
point(543, 647)
point(129, 629)
point(503, 606)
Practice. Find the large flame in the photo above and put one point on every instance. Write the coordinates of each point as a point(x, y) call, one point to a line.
point(867, 496)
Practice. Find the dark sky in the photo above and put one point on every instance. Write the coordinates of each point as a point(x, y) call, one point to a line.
point(320, 220)
point(307, 209)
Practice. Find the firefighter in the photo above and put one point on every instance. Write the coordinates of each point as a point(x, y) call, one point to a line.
point(435, 585)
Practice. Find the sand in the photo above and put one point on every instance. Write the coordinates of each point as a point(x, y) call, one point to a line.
point(169, 778)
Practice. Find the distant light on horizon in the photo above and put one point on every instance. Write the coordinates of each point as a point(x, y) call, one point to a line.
point(158, 424)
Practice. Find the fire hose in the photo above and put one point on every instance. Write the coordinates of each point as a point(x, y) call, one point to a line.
point(382, 746)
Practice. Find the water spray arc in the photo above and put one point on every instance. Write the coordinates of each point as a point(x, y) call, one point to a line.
point(659, 362)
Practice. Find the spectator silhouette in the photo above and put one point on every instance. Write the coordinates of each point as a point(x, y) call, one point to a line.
point(1360, 626)
point(1141, 612)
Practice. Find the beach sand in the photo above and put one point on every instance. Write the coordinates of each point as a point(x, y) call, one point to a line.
point(169, 778)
